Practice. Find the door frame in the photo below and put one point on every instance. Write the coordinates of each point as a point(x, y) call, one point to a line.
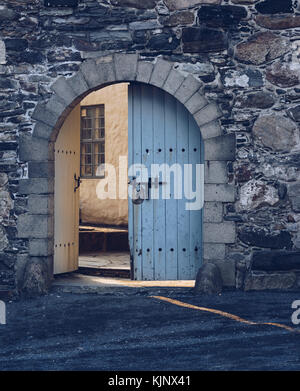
point(38, 149)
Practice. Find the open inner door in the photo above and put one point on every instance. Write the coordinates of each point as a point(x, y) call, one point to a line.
point(66, 194)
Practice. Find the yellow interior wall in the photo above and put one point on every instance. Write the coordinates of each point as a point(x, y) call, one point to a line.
point(93, 210)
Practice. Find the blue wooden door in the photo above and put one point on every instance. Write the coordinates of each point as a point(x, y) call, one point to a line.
point(165, 165)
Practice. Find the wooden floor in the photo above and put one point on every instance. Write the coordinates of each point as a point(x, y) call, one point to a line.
point(105, 260)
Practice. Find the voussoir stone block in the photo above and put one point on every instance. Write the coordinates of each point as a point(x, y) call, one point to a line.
point(187, 89)
point(43, 114)
point(125, 66)
point(42, 130)
point(79, 84)
point(209, 113)
point(160, 72)
point(220, 148)
point(196, 103)
point(173, 81)
point(210, 130)
point(98, 72)
point(64, 92)
point(144, 71)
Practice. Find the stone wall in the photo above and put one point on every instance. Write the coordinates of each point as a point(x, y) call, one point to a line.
point(245, 55)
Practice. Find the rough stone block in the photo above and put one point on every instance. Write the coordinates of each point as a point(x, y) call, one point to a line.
point(41, 169)
point(213, 212)
point(209, 113)
point(40, 204)
point(187, 89)
point(144, 72)
point(219, 192)
point(196, 103)
point(125, 65)
point(209, 279)
point(37, 276)
point(78, 84)
point(214, 251)
point(215, 172)
point(64, 92)
point(258, 281)
point(36, 186)
point(160, 72)
point(98, 73)
point(35, 149)
point(42, 130)
point(220, 148)
point(227, 268)
point(42, 114)
point(219, 232)
point(34, 226)
point(173, 81)
point(40, 247)
point(276, 260)
point(210, 130)
point(2, 52)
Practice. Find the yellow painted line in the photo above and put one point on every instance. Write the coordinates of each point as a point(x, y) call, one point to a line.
point(222, 313)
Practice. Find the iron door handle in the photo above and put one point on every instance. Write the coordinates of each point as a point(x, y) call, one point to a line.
point(77, 182)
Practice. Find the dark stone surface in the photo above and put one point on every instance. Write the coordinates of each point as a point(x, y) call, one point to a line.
point(141, 4)
point(202, 40)
point(261, 238)
point(179, 18)
point(278, 22)
point(261, 47)
point(209, 279)
point(294, 113)
point(259, 100)
point(282, 75)
point(275, 260)
point(221, 15)
point(163, 42)
point(16, 44)
point(275, 6)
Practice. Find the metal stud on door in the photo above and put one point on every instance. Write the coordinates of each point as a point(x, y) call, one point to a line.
point(165, 238)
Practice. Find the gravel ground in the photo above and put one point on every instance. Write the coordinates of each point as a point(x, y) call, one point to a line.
point(113, 332)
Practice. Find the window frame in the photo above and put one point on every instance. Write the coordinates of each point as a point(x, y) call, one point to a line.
point(91, 141)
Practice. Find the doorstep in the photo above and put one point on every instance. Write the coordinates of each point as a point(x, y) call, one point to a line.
point(79, 283)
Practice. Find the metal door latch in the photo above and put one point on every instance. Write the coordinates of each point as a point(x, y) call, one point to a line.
point(77, 182)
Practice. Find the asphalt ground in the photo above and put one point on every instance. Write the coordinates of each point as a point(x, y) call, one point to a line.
point(139, 332)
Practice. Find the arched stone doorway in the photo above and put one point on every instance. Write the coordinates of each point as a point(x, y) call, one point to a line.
point(38, 225)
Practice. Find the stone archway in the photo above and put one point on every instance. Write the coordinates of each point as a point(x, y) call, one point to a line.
point(38, 151)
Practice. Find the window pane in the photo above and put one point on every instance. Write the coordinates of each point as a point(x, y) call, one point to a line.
point(92, 149)
point(88, 159)
point(88, 170)
point(86, 134)
point(86, 148)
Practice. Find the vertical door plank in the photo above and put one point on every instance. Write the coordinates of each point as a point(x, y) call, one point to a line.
point(147, 159)
point(130, 162)
point(159, 204)
point(183, 215)
point(171, 203)
point(195, 215)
